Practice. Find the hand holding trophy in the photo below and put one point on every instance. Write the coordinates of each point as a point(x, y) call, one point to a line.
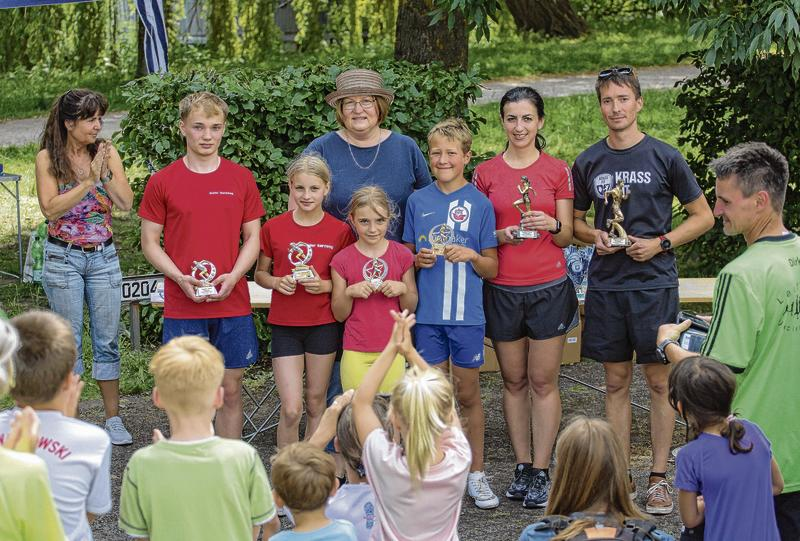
point(617, 237)
point(204, 271)
point(523, 205)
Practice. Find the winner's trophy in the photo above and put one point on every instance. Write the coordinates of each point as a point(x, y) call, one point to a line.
point(617, 237)
point(299, 256)
point(440, 236)
point(205, 271)
point(523, 205)
point(375, 271)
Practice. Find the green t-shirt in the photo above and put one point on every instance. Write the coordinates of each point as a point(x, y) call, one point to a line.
point(27, 511)
point(756, 331)
point(210, 489)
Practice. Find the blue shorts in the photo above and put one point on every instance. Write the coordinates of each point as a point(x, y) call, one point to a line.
point(462, 344)
point(234, 337)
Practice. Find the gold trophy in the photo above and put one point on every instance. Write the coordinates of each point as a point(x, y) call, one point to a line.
point(205, 271)
point(299, 256)
point(617, 237)
point(440, 236)
point(523, 205)
point(375, 271)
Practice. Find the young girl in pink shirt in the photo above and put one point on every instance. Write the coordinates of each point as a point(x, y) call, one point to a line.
point(419, 480)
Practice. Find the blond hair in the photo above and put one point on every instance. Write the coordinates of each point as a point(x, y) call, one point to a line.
point(188, 371)
point(590, 469)
point(303, 476)
point(45, 358)
point(453, 129)
point(310, 163)
point(424, 403)
point(375, 198)
point(9, 342)
point(210, 104)
point(381, 103)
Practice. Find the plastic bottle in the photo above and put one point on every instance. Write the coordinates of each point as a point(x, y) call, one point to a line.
point(38, 252)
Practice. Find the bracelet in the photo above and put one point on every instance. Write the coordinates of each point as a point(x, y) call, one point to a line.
point(106, 179)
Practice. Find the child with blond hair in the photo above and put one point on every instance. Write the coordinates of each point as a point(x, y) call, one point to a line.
point(304, 477)
point(419, 481)
point(194, 485)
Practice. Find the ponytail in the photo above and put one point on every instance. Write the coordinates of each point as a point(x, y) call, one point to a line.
point(423, 401)
point(734, 431)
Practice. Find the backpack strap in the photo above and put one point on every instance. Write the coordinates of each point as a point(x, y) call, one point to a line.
point(642, 530)
point(557, 523)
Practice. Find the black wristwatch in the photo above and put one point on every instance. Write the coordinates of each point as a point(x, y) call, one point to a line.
point(558, 228)
point(661, 348)
point(666, 244)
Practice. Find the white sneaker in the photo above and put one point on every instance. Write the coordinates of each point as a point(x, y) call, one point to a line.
point(117, 431)
point(479, 490)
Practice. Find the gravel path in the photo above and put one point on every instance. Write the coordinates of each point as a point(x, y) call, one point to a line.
point(28, 130)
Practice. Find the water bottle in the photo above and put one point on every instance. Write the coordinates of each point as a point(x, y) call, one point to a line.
point(38, 252)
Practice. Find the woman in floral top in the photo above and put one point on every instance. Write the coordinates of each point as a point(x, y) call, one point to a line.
point(79, 178)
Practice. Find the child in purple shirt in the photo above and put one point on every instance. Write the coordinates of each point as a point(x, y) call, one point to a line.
point(726, 477)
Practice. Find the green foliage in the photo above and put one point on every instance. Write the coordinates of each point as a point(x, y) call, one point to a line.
point(744, 32)
point(274, 115)
point(638, 42)
point(478, 14)
point(613, 10)
point(724, 107)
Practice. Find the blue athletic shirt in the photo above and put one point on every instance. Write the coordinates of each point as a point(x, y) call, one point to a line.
point(450, 293)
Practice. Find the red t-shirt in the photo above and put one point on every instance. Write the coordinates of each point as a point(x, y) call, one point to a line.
point(202, 215)
point(535, 261)
point(370, 325)
point(324, 239)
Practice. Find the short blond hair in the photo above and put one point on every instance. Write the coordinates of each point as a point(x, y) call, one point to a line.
point(453, 129)
point(310, 163)
point(209, 103)
point(381, 103)
point(188, 371)
point(303, 476)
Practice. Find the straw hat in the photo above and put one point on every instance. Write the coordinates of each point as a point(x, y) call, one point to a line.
point(359, 82)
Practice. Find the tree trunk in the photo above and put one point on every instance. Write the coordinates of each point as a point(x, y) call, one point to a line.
point(141, 63)
point(418, 42)
point(551, 17)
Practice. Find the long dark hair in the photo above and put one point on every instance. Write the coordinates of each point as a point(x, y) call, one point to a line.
point(705, 388)
point(71, 105)
point(522, 93)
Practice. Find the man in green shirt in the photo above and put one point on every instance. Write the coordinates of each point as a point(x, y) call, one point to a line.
point(755, 326)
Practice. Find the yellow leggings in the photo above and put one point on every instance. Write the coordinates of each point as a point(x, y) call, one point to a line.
point(356, 363)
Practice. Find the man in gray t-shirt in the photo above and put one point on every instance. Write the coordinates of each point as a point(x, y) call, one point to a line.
point(632, 290)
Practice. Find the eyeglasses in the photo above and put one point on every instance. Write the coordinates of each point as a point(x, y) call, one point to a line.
point(623, 70)
point(367, 104)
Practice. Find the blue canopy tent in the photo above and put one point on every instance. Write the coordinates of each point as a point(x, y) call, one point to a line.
point(151, 13)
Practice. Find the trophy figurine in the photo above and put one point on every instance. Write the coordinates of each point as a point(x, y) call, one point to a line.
point(375, 271)
point(299, 256)
point(523, 205)
point(440, 236)
point(205, 271)
point(617, 237)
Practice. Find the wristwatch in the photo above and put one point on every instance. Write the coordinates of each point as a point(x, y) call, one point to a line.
point(666, 244)
point(557, 229)
point(661, 348)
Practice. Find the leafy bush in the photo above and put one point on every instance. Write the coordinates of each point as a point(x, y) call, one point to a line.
point(613, 10)
point(730, 105)
point(274, 115)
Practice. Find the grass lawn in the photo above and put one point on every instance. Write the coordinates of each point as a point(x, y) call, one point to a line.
point(572, 124)
point(640, 42)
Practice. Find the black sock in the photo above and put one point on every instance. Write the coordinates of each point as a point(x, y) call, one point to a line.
point(342, 480)
point(663, 475)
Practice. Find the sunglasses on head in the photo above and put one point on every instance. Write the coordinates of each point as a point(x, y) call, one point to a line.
point(624, 70)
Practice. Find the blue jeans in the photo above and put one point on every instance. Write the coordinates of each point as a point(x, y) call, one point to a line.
point(72, 276)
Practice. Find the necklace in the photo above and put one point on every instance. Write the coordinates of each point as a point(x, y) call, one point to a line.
point(350, 147)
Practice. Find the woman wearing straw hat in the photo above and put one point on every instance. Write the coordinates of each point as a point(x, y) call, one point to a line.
point(361, 152)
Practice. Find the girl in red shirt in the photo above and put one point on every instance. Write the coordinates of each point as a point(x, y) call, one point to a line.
point(296, 250)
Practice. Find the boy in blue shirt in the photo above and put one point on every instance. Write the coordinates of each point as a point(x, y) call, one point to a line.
point(450, 227)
